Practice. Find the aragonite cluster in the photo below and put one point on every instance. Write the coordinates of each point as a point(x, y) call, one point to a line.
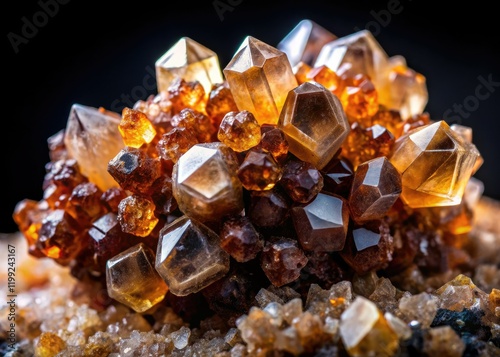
point(298, 201)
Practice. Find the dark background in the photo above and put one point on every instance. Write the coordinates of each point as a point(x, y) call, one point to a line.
point(90, 54)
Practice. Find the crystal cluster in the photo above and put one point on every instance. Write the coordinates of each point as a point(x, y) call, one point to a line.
point(299, 198)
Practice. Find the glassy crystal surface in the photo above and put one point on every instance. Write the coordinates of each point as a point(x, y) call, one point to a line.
point(205, 182)
point(189, 256)
point(260, 77)
point(435, 165)
point(365, 332)
point(136, 215)
point(259, 171)
point(268, 208)
point(132, 279)
point(304, 42)
point(92, 139)
point(314, 123)
point(362, 51)
point(239, 130)
point(240, 239)
point(301, 180)
point(191, 61)
point(421, 307)
point(375, 188)
point(444, 341)
point(321, 225)
point(135, 128)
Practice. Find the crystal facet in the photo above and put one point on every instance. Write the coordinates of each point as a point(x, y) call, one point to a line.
point(435, 165)
point(92, 139)
point(189, 256)
point(132, 279)
point(314, 123)
point(191, 61)
point(260, 77)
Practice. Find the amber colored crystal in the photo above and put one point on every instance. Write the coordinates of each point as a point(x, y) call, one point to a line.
point(190, 60)
point(49, 345)
point(282, 260)
point(92, 139)
point(435, 165)
point(443, 341)
point(415, 122)
point(220, 102)
point(84, 204)
point(135, 128)
point(136, 215)
point(301, 180)
point(368, 247)
point(268, 208)
point(365, 331)
point(174, 143)
point(494, 300)
point(304, 42)
point(274, 141)
point(112, 197)
point(60, 237)
point(239, 130)
point(321, 225)
point(205, 182)
point(259, 171)
point(189, 256)
point(457, 294)
point(359, 98)
point(162, 196)
point(364, 144)
point(108, 240)
point(186, 94)
point(362, 51)
point(465, 133)
point(326, 77)
point(260, 77)
point(240, 239)
point(197, 122)
point(389, 119)
point(65, 174)
point(134, 170)
point(376, 187)
point(314, 123)
point(338, 176)
point(29, 215)
point(301, 70)
point(132, 279)
point(56, 146)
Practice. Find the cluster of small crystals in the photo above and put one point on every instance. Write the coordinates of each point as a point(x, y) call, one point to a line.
point(300, 170)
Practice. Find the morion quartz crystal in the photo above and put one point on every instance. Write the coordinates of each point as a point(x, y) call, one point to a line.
point(300, 198)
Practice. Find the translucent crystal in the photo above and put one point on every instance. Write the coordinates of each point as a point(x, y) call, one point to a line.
point(301, 180)
point(189, 256)
point(443, 341)
point(49, 345)
point(375, 188)
point(239, 130)
point(304, 42)
point(136, 215)
point(435, 165)
point(322, 224)
point(359, 98)
point(259, 171)
point(260, 77)
point(457, 294)
point(421, 307)
point(239, 238)
point(191, 61)
point(205, 182)
point(132, 279)
point(314, 123)
point(135, 128)
point(92, 139)
point(362, 51)
point(365, 332)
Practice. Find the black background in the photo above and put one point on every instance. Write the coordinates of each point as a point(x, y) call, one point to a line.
point(92, 52)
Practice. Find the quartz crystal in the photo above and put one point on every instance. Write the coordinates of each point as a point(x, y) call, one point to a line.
point(260, 77)
point(132, 279)
point(435, 165)
point(376, 187)
point(314, 123)
point(191, 61)
point(189, 256)
point(205, 182)
point(92, 138)
point(322, 224)
point(361, 51)
point(365, 332)
point(304, 42)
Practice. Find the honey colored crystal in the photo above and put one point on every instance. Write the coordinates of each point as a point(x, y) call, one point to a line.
point(92, 138)
point(205, 182)
point(136, 215)
point(304, 42)
point(260, 77)
point(189, 256)
point(135, 128)
point(314, 123)
point(191, 61)
point(132, 279)
point(259, 171)
point(435, 165)
point(365, 332)
point(239, 130)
